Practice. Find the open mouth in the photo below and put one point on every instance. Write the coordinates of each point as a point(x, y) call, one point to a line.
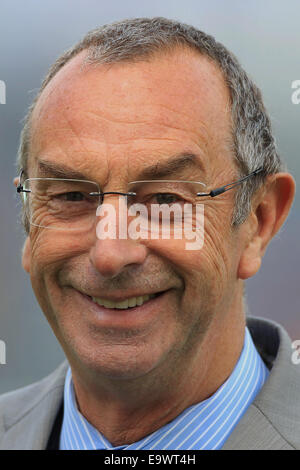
point(133, 311)
point(125, 304)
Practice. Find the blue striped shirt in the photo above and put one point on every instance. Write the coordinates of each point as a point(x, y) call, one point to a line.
point(204, 426)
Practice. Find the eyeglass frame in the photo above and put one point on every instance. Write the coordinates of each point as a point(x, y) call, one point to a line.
point(213, 193)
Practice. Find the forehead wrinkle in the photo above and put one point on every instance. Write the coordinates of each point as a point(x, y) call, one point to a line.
point(75, 104)
point(201, 130)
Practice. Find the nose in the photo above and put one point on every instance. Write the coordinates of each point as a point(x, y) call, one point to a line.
point(110, 256)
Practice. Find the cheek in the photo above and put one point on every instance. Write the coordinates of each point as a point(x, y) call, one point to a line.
point(219, 239)
point(208, 273)
point(52, 247)
point(44, 255)
point(41, 248)
point(216, 252)
point(49, 252)
point(41, 262)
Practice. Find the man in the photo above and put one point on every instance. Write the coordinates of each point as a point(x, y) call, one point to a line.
point(158, 352)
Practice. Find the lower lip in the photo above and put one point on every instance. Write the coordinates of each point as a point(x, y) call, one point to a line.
point(130, 317)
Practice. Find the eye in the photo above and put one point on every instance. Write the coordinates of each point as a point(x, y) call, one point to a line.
point(72, 196)
point(166, 198)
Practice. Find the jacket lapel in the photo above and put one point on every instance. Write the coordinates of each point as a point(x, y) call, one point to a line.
point(255, 432)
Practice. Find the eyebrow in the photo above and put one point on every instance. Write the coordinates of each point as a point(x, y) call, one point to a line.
point(174, 165)
point(59, 170)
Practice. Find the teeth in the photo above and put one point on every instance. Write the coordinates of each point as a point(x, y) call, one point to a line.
point(132, 302)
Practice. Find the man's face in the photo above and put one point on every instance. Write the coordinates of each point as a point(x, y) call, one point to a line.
point(110, 123)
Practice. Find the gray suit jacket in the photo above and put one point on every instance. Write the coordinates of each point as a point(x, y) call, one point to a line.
point(271, 422)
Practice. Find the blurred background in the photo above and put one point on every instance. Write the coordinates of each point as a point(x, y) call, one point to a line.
point(265, 36)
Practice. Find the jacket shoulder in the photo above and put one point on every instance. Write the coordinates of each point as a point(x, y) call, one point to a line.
point(20, 401)
point(38, 401)
point(272, 421)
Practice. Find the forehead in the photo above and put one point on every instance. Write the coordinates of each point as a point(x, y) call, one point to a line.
point(109, 111)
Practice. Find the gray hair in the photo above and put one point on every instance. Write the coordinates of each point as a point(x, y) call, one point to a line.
point(137, 39)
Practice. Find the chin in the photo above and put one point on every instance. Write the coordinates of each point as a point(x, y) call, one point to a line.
point(117, 361)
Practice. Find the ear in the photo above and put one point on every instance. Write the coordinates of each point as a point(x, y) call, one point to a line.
point(270, 208)
point(26, 255)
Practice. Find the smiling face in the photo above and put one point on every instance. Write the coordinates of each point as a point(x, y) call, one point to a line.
point(111, 123)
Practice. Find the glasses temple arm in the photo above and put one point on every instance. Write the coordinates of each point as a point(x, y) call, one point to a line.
point(223, 189)
point(20, 186)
